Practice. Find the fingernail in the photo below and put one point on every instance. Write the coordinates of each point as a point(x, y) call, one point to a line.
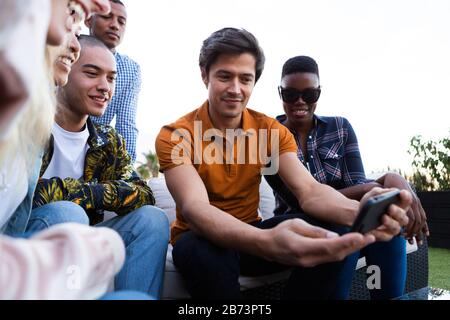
point(332, 234)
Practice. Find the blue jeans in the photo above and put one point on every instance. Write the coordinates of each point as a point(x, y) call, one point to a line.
point(389, 256)
point(55, 213)
point(144, 231)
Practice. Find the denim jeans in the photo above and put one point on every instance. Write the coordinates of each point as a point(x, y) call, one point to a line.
point(212, 272)
point(55, 213)
point(389, 256)
point(144, 231)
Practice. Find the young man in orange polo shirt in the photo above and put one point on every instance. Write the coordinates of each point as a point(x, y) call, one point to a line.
point(213, 159)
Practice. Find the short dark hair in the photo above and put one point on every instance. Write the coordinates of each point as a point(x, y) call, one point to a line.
point(300, 64)
point(231, 41)
point(91, 41)
point(118, 1)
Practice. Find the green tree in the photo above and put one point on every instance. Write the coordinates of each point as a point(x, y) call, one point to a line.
point(149, 168)
point(431, 164)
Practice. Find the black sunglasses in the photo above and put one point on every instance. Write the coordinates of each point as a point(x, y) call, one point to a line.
point(290, 95)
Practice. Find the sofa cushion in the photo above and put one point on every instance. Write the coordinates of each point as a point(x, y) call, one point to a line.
point(163, 197)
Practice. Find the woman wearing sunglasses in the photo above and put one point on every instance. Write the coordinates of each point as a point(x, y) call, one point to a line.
point(328, 148)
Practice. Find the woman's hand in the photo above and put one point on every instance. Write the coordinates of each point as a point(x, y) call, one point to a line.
point(395, 217)
point(417, 226)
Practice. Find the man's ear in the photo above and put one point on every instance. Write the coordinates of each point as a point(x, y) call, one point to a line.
point(204, 76)
point(88, 22)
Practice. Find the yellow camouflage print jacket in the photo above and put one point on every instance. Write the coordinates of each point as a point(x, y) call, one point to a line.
point(109, 183)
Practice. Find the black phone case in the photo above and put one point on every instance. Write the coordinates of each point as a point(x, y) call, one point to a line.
point(369, 216)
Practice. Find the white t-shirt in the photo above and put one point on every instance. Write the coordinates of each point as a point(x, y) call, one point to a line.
point(13, 187)
point(69, 154)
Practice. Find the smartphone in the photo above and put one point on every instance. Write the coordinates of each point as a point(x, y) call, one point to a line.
point(369, 217)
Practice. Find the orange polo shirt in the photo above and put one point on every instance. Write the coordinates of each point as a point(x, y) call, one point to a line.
point(229, 163)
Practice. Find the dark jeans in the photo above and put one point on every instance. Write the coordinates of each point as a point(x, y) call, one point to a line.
point(389, 256)
point(212, 272)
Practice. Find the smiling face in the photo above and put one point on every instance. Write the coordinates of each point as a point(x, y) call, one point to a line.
point(300, 113)
point(230, 83)
point(109, 28)
point(91, 82)
point(66, 55)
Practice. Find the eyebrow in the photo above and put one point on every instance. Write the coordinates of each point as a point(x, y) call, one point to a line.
point(221, 71)
point(93, 66)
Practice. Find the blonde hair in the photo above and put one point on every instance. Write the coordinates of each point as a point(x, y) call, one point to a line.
point(32, 132)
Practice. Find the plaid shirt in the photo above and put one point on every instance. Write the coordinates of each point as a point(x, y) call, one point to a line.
point(124, 102)
point(109, 181)
point(333, 153)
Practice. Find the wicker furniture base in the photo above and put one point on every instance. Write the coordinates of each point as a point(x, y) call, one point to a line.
point(417, 277)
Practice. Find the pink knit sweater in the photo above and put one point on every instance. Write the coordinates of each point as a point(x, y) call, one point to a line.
point(67, 261)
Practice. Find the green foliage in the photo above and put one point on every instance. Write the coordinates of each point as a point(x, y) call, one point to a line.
point(150, 168)
point(431, 164)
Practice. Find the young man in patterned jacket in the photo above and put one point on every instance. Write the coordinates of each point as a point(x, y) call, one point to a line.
point(87, 167)
point(110, 29)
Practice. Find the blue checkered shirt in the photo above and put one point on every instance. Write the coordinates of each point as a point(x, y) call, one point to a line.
point(124, 102)
point(333, 154)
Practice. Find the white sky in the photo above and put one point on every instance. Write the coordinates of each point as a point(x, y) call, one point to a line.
point(384, 64)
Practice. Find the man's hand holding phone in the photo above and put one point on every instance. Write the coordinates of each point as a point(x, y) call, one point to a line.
point(394, 217)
